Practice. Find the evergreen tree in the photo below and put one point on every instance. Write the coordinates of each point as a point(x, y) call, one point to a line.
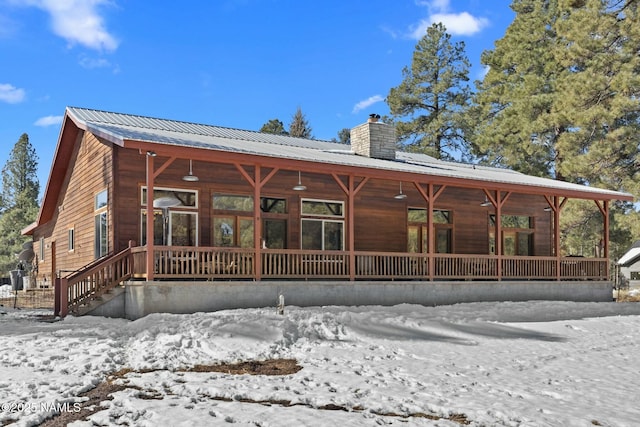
point(561, 99)
point(344, 136)
point(299, 126)
point(600, 94)
point(427, 107)
point(20, 190)
point(517, 124)
point(275, 127)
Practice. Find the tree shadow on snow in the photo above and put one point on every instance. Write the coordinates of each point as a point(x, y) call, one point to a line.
point(495, 330)
point(489, 330)
point(398, 332)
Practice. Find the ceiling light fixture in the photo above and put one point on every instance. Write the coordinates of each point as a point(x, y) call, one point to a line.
point(299, 187)
point(400, 195)
point(486, 202)
point(190, 177)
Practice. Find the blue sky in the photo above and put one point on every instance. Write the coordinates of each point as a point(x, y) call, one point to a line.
point(233, 63)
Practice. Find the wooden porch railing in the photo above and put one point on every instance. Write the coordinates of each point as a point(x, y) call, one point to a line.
point(180, 262)
point(92, 281)
point(189, 263)
point(186, 262)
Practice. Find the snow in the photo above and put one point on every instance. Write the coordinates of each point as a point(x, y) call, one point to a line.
point(6, 291)
point(506, 364)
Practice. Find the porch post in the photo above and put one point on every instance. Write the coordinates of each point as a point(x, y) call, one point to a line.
point(352, 234)
point(604, 210)
point(257, 228)
point(61, 292)
point(430, 232)
point(606, 231)
point(149, 231)
point(556, 236)
point(499, 233)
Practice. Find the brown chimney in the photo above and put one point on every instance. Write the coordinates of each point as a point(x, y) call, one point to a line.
point(374, 139)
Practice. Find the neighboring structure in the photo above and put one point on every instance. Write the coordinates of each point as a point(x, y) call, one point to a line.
point(244, 216)
point(629, 267)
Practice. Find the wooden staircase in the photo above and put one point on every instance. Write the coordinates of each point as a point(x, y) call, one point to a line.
point(93, 285)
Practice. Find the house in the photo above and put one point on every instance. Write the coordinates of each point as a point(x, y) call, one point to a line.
point(240, 218)
point(629, 267)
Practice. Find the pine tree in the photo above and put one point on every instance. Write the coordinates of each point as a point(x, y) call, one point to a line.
point(275, 127)
point(299, 126)
point(427, 107)
point(20, 190)
point(344, 136)
point(518, 125)
point(601, 93)
point(562, 99)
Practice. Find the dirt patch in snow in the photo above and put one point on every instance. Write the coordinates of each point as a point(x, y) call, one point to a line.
point(104, 390)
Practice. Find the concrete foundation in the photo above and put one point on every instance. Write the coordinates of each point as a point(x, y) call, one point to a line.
point(142, 298)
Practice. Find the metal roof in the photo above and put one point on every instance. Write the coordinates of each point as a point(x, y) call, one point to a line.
point(118, 127)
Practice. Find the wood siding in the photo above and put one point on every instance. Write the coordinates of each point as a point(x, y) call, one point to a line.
point(380, 220)
point(90, 171)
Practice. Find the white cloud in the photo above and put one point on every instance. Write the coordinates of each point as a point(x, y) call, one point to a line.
point(457, 24)
point(78, 21)
point(86, 62)
point(11, 94)
point(48, 121)
point(367, 103)
point(437, 5)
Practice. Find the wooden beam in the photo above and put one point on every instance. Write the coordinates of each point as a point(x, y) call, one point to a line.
point(165, 165)
point(150, 264)
point(257, 222)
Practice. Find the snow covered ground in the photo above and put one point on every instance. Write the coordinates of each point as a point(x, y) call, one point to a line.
point(504, 364)
point(6, 291)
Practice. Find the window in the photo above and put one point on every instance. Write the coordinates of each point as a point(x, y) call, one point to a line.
point(273, 205)
point(417, 233)
point(233, 220)
point(226, 202)
point(322, 228)
point(517, 235)
point(101, 238)
point(71, 238)
point(42, 249)
point(175, 217)
point(274, 222)
point(275, 233)
point(233, 231)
